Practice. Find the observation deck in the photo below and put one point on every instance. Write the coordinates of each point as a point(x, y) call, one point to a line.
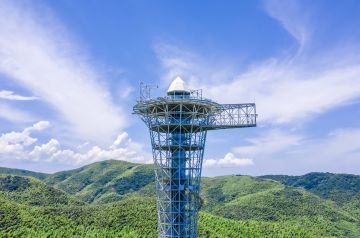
point(178, 124)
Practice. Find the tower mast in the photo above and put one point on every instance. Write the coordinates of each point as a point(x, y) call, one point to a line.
point(178, 124)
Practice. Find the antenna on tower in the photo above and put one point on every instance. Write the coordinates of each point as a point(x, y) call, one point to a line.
point(145, 91)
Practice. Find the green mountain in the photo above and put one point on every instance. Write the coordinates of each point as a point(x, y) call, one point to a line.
point(23, 172)
point(250, 198)
point(103, 182)
point(343, 189)
point(30, 191)
point(340, 188)
point(117, 199)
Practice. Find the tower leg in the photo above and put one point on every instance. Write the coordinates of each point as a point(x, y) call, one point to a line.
point(178, 175)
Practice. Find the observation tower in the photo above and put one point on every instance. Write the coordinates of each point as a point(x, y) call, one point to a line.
point(178, 123)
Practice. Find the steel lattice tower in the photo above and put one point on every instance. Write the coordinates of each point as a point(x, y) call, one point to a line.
point(178, 124)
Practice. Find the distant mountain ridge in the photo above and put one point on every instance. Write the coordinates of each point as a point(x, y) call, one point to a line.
point(315, 204)
point(338, 187)
point(23, 172)
point(111, 179)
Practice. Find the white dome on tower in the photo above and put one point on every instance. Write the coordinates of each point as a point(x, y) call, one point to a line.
point(177, 85)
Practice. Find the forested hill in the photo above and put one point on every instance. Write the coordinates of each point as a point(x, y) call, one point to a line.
point(340, 188)
point(117, 199)
point(22, 172)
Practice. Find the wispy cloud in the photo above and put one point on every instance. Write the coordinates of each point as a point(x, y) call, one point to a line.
point(38, 53)
point(178, 61)
point(274, 141)
point(15, 115)
point(280, 152)
point(339, 143)
point(122, 149)
point(293, 17)
point(288, 88)
point(10, 95)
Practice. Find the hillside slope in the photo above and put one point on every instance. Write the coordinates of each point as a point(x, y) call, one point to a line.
point(340, 188)
point(103, 182)
point(218, 191)
point(248, 198)
point(343, 189)
point(27, 190)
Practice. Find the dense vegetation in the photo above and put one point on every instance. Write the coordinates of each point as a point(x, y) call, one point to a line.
point(340, 188)
point(134, 217)
point(27, 190)
point(103, 182)
point(116, 199)
point(343, 189)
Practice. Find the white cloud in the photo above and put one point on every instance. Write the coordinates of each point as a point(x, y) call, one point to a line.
point(229, 160)
point(37, 52)
point(39, 126)
point(47, 149)
point(272, 142)
point(123, 137)
point(23, 146)
point(10, 95)
point(52, 152)
point(15, 142)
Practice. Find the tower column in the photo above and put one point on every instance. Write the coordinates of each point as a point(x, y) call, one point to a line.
point(178, 124)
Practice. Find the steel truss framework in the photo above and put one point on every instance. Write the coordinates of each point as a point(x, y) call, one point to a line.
point(178, 124)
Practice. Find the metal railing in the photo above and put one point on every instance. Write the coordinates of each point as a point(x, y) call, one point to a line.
point(233, 116)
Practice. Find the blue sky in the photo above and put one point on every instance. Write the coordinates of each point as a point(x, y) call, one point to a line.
point(70, 71)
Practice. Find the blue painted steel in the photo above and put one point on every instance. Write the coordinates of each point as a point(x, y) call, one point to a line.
point(178, 124)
